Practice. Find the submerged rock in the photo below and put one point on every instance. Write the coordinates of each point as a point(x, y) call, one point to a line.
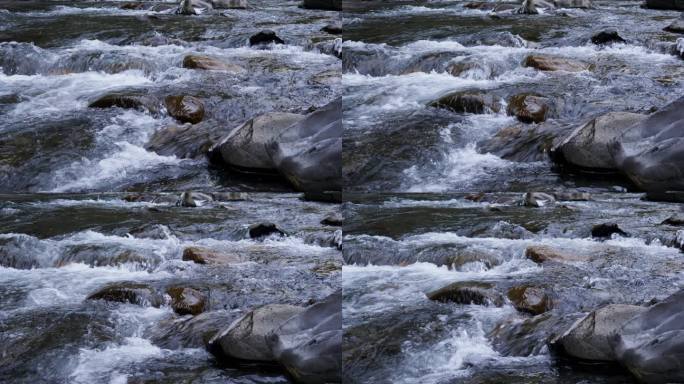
point(265, 37)
point(530, 299)
point(328, 5)
point(468, 292)
point(333, 28)
point(245, 147)
point(606, 230)
point(651, 152)
point(529, 108)
point(201, 255)
point(186, 109)
point(184, 141)
point(608, 36)
point(538, 199)
point(309, 344)
point(264, 229)
point(677, 26)
point(126, 101)
point(552, 63)
point(651, 343)
point(589, 338)
point(193, 199)
point(309, 153)
point(541, 254)
point(589, 145)
point(468, 102)
point(245, 338)
point(675, 220)
point(127, 292)
point(210, 63)
point(333, 219)
point(230, 4)
point(187, 301)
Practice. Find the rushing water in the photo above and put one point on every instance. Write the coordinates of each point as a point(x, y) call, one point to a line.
point(57, 250)
point(395, 142)
point(399, 247)
point(57, 57)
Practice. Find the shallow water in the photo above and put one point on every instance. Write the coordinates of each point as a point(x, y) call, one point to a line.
point(395, 142)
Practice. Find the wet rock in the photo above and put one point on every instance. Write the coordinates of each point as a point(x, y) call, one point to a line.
point(264, 229)
point(491, 6)
point(150, 231)
point(309, 153)
point(524, 142)
point(530, 299)
point(309, 344)
point(677, 26)
point(126, 101)
point(185, 141)
point(265, 37)
point(193, 199)
point(332, 239)
point(328, 5)
point(529, 108)
point(677, 5)
point(245, 338)
point(189, 332)
point(210, 63)
point(333, 28)
point(552, 63)
point(468, 102)
point(193, 7)
point(573, 4)
point(589, 338)
point(186, 109)
point(650, 344)
point(245, 146)
point(538, 199)
point(674, 220)
point(607, 37)
point(127, 292)
point(541, 254)
point(606, 230)
point(527, 8)
point(572, 196)
point(230, 4)
point(529, 337)
point(589, 145)
point(330, 47)
point(132, 6)
point(201, 255)
point(503, 230)
point(333, 219)
point(651, 152)
point(468, 292)
point(187, 301)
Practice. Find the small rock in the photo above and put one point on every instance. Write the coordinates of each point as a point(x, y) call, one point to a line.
point(139, 102)
point(187, 301)
point(529, 108)
point(541, 253)
point(551, 63)
point(607, 37)
point(677, 26)
point(589, 338)
point(335, 219)
point(674, 220)
point(186, 109)
point(537, 199)
point(133, 293)
point(245, 338)
point(210, 63)
point(606, 230)
point(192, 199)
point(530, 299)
point(265, 37)
point(468, 102)
point(264, 229)
point(333, 28)
point(468, 292)
point(207, 256)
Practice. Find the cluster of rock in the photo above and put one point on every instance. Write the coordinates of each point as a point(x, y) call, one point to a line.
point(307, 342)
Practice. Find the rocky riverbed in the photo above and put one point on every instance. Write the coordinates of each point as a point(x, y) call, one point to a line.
point(450, 288)
point(114, 288)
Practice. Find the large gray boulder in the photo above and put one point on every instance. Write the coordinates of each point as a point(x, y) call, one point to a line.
point(651, 345)
point(244, 147)
point(309, 153)
point(589, 338)
point(309, 345)
point(651, 153)
point(588, 146)
point(245, 338)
